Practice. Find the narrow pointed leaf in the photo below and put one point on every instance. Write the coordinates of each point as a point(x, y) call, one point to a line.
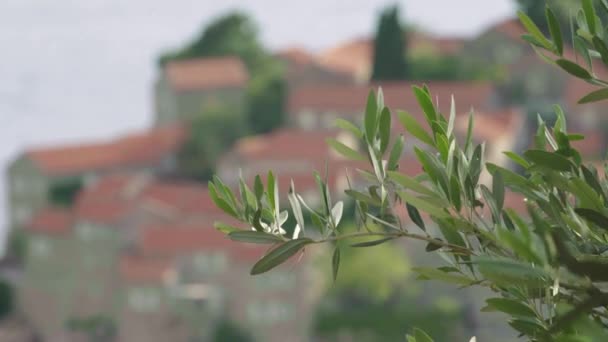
point(279, 255)
point(534, 30)
point(254, 237)
point(573, 69)
point(549, 160)
point(349, 126)
point(414, 215)
point(335, 263)
point(424, 100)
point(594, 216)
point(423, 205)
point(371, 113)
point(372, 243)
point(414, 128)
point(510, 306)
point(384, 129)
point(595, 96)
point(555, 30)
point(345, 150)
point(396, 151)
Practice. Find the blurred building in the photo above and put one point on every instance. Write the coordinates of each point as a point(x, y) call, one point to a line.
point(144, 253)
point(186, 89)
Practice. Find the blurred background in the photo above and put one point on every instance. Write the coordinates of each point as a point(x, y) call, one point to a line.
point(115, 114)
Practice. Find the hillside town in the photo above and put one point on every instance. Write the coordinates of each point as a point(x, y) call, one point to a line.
point(119, 234)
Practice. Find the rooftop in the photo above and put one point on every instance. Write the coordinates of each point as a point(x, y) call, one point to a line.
point(144, 148)
point(51, 221)
point(206, 73)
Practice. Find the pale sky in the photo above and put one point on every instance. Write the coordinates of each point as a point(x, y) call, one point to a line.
point(74, 70)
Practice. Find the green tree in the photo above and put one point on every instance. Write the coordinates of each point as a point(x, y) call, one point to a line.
point(232, 34)
point(236, 34)
point(389, 48)
point(228, 331)
point(210, 135)
point(546, 265)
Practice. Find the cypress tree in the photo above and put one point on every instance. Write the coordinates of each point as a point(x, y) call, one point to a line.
point(389, 48)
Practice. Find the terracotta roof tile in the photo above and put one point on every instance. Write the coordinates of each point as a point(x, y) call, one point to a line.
point(510, 27)
point(51, 221)
point(171, 240)
point(354, 57)
point(420, 41)
point(144, 148)
point(296, 55)
point(397, 95)
point(286, 144)
point(206, 73)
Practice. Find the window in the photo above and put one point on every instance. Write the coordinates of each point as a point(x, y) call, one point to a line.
point(22, 214)
point(143, 299)
point(40, 247)
point(275, 281)
point(20, 185)
point(307, 120)
point(209, 263)
point(87, 231)
point(270, 312)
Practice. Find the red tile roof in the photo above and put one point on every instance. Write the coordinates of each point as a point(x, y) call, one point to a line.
point(185, 197)
point(171, 240)
point(146, 148)
point(510, 27)
point(418, 40)
point(286, 144)
point(397, 95)
point(296, 55)
point(354, 57)
point(137, 269)
point(51, 221)
point(206, 73)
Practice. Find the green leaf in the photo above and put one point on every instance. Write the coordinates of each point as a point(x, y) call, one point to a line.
point(385, 129)
point(594, 216)
point(372, 243)
point(225, 228)
point(432, 246)
point(414, 128)
point(436, 274)
point(423, 205)
point(273, 192)
point(534, 30)
point(345, 150)
point(371, 120)
point(396, 151)
point(421, 336)
point(589, 15)
point(361, 197)
point(254, 237)
point(424, 100)
point(600, 46)
point(414, 215)
point(279, 255)
point(549, 160)
point(595, 96)
point(581, 47)
point(517, 158)
point(349, 126)
point(573, 69)
point(258, 188)
point(220, 202)
point(335, 263)
point(410, 183)
point(555, 30)
point(527, 327)
point(469, 139)
point(508, 272)
point(455, 192)
point(509, 306)
point(256, 220)
point(498, 190)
